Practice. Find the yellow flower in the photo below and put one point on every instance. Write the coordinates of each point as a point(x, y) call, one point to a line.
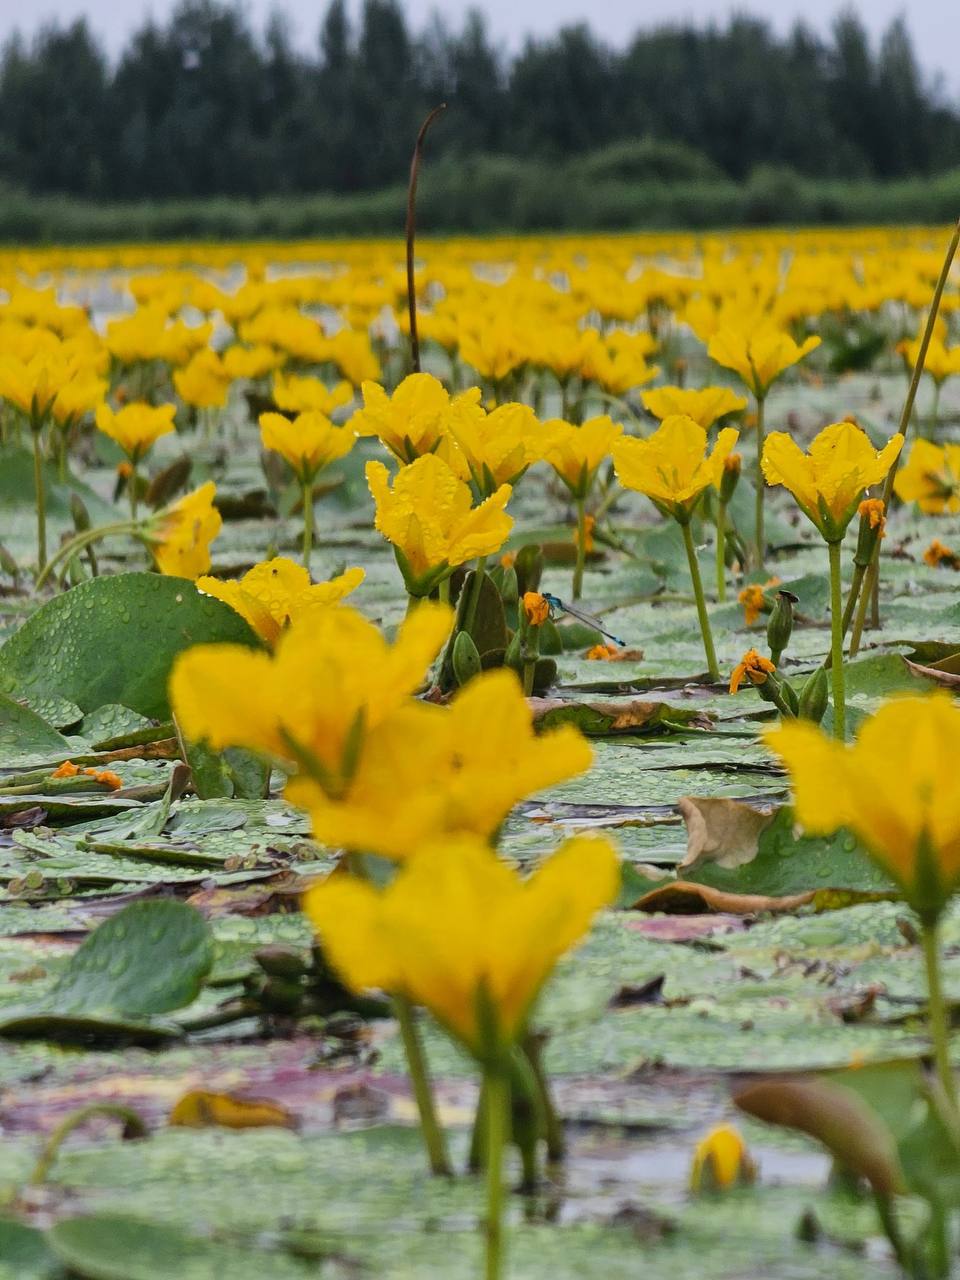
point(759, 354)
point(753, 600)
point(427, 771)
point(331, 677)
point(181, 536)
point(462, 933)
point(721, 1161)
point(274, 594)
point(31, 385)
point(204, 382)
point(412, 421)
point(308, 443)
point(828, 481)
point(931, 477)
point(576, 453)
point(704, 406)
point(136, 427)
point(890, 789)
point(752, 666)
point(427, 515)
point(80, 395)
point(295, 394)
point(672, 467)
point(250, 362)
point(498, 446)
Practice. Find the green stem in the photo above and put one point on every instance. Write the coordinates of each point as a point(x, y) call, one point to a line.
point(873, 574)
point(937, 1015)
point(529, 675)
point(581, 548)
point(863, 604)
point(496, 1090)
point(853, 595)
point(419, 1077)
point(721, 551)
point(133, 1127)
point(41, 506)
point(712, 668)
point(307, 522)
point(553, 1127)
point(443, 591)
point(80, 540)
point(836, 645)
point(132, 489)
point(759, 534)
point(935, 412)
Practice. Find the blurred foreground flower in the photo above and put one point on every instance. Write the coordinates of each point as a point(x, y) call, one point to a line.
point(891, 790)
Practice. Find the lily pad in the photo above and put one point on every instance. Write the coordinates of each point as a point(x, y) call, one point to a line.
point(113, 1247)
point(114, 640)
point(26, 738)
point(148, 960)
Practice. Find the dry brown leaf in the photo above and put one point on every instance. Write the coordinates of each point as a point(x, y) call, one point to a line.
point(683, 896)
point(947, 679)
point(721, 831)
point(837, 1117)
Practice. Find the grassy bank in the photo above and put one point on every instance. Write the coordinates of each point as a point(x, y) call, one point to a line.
point(490, 194)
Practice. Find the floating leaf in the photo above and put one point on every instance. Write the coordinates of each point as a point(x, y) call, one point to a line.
point(147, 960)
point(114, 640)
point(597, 719)
point(26, 738)
point(114, 1247)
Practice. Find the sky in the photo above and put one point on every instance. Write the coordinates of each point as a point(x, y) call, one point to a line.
point(934, 24)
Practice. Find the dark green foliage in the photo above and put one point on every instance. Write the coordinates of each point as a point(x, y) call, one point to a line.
point(204, 105)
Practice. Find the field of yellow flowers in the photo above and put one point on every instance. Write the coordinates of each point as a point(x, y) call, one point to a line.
point(478, 758)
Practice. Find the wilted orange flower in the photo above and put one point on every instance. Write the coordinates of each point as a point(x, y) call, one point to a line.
point(603, 653)
point(939, 553)
point(752, 666)
point(872, 509)
point(535, 608)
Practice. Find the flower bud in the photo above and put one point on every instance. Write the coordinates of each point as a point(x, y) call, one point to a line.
point(529, 566)
point(730, 476)
point(780, 624)
point(466, 658)
point(814, 696)
point(721, 1162)
point(509, 589)
point(872, 526)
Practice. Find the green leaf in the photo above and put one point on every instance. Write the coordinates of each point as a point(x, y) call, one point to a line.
point(231, 774)
point(787, 864)
point(147, 960)
point(24, 1253)
point(110, 1246)
point(882, 674)
point(26, 738)
point(114, 640)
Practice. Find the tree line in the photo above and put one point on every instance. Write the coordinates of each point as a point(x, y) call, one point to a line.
point(205, 105)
